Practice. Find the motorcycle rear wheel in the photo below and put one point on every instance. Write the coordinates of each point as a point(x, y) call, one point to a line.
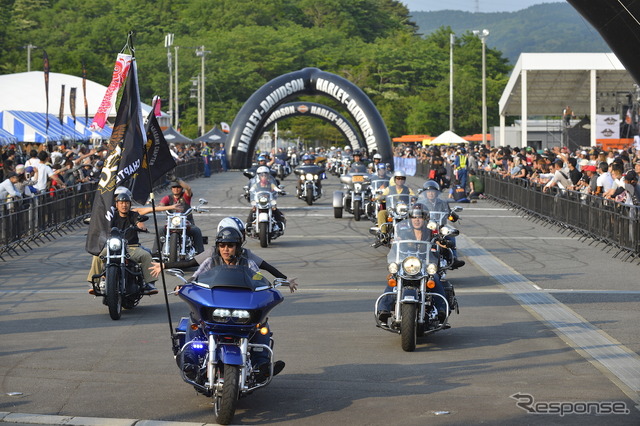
point(224, 404)
point(114, 297)
point(174, 243)
point(408, 326)
point(263, 230)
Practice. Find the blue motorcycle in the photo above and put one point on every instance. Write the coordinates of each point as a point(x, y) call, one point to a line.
point(224, 348)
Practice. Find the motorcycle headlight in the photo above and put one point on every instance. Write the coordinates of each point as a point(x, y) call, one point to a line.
point(221, 315)
point(393, 268)
point(263, 199)
point(432, 269)
point(401, 208)
point(115, 244)
point(309, 176)
point(412, 265)
point(241, 316)
point(445, 230)
point(315, 177)
point(432, 225)
point(176, 221)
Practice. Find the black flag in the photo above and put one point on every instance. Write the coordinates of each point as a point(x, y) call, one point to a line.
point(45, 59)
point(156, 162)
point(123, 161)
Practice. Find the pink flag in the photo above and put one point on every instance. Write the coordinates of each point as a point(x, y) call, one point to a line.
point(157, 104)
point(120, 71)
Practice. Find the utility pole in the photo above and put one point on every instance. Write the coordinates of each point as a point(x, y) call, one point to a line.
point(452, 39)
point(202, 53)
point(176, 109)
point(483, 38)
point(168, 42)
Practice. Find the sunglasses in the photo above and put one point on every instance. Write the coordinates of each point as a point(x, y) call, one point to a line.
point(401, 178)
point(226, 245)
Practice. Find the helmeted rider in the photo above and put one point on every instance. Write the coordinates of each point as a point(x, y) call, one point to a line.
point(228, 250)
point(358, 165)
point(399, 187)
point(265, 182)
point(124, 218)
point(431, 202)
point(414, 229)
point(376, 160)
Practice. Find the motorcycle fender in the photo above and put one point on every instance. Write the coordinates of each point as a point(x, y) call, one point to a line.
point(263, 217)
point(410, 295)
point(357, 197)
point(337, 199)
point(229, 354)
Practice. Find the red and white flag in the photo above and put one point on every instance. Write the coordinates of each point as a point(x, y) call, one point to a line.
point(225, 127)
point(120, 71)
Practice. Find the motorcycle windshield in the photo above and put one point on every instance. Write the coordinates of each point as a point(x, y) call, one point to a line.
point(235, 276)
point(378, 184)
point(263, 196)
point(423, 250)
point(399, 203)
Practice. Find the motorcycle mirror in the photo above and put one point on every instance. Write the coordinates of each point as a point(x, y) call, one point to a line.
point(175, 272)
point(143, 218)
point(203, 201)
point(457, 209)
point(86, 220)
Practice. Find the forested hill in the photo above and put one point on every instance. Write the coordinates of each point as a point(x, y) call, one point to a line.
point(548, 27)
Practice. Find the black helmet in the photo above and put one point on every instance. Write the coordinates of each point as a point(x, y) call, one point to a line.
point(357, 152)
point(229, 235)
point(431, 185)
point(417, 211)
point(123, 197)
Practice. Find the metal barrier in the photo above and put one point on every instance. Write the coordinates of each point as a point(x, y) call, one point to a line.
point(590, 217)
point(38, 219)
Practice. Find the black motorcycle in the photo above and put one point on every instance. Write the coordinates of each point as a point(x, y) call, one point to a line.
point(122, 283)
point(309, 177)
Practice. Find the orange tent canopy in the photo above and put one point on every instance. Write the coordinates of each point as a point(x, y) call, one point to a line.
point(476, 138)
point(411, 138)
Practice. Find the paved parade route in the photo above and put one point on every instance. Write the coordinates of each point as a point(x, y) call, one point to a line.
point(546, 323)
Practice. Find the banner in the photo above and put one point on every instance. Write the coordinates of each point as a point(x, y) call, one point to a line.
point(120, 71)
point(156, 162)
point(123, 161)
point(72, 103)
point(45, 58)
point(61, 112)
point(607, 126)
point(84, 93)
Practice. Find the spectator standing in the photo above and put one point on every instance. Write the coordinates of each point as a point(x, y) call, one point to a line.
point(604, 181)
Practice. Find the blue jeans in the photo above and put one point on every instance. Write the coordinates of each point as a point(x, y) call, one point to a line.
point(387, 303)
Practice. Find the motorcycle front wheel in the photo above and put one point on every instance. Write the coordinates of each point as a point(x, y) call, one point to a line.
point(174, 244)
point(357, 210)
point(114, 297)
point(225, 402)
point(309, 198)
point(408, 326)
point(263, 230)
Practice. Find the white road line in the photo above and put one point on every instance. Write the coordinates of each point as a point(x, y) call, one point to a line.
point(572, 328)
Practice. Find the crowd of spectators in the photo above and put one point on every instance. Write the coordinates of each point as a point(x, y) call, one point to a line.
point(612, 173)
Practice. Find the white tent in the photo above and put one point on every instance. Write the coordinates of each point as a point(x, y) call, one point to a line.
point(447, 138)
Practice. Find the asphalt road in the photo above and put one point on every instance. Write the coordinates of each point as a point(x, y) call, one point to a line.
point(542, 315)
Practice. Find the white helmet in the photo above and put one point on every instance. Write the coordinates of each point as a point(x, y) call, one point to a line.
point(232, 222)
point(347, 148)
point(263, 169)
point(377, 157)
point(399, 173)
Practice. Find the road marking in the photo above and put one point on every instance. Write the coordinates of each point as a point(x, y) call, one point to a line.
point(594, 344)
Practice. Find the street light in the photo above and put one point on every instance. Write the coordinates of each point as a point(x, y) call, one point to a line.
point(29, 47)
point(168, 42)
point(483, 36)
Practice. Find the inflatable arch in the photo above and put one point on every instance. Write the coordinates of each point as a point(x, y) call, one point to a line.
point(248, 124)
point(312, 109)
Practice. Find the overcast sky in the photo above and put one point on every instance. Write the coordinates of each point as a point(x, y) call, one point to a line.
point(471, 5)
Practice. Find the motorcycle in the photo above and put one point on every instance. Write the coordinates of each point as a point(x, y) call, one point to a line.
point(372, 205)
point(229, 305)
point(413, 266)
point(309, 177)
point(282, 169)
point(122, 283)
point(397, 206)
point(251, 175)
point(351, 198)
point(264, 226)
point(176, 243)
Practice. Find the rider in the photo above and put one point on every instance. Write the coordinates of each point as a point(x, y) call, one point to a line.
point(373, 166)
point(265, 182)
point(228, 251)
point(415, 230)
point(432, 203)
point(400, 187)
point(181, 194)
point(357, 166)
point(123, 220)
